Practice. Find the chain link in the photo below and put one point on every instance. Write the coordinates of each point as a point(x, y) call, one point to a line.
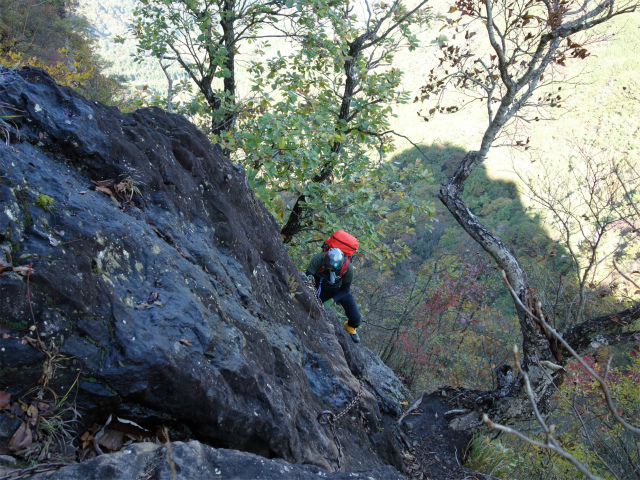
point(312, 286)
point(327, 417)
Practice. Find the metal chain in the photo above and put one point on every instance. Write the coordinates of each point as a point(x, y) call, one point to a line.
point(327, 417)
point(353, 402)
point(312, 286)
point(42, 468)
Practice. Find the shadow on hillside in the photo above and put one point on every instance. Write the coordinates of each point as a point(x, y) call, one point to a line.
point(444, 315)
point(496, 203)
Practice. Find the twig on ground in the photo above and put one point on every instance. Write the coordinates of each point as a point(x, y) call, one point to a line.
point(170, 461)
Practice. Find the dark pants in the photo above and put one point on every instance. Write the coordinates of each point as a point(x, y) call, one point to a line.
point(349, 305)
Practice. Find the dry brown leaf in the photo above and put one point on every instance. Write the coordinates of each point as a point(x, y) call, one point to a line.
point(104, 190)
point(161, 436)
point(16, 409)
point(186, 342)
point(102, 183)
point(32, 412)
point(41, 406)
point(21, 439)
point(5, 397)
point(23, 269)
point(34, 342)
point(111, 439)
point(131, 429)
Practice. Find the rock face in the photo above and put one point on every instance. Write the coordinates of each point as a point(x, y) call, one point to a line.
point(195, 461)
point(153, 268)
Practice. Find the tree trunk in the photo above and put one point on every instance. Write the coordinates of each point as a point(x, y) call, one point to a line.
point(226, 122)
point(509, 402)
point(295, 222)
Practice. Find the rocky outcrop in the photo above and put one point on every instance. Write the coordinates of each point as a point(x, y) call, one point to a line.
point(159, 281)
point(195, 461)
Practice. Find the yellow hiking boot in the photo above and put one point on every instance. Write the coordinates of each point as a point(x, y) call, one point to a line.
point(352, 332)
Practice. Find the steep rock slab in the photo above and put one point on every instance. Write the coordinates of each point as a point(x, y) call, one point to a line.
point(174, 297)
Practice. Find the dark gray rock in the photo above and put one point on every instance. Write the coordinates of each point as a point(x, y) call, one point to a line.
point(8, 426)
point(177, 307)
point(381, 380)
point(195, 461)
point(7, 460)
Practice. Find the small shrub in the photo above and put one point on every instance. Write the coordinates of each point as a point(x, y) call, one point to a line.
point(491, 457)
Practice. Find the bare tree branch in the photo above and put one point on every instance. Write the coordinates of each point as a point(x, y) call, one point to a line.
point(550, 442)
point(557, 336)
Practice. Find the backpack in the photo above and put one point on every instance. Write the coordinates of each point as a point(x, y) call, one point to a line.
point(347, 244)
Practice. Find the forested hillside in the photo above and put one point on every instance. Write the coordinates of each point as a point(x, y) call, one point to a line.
point(110, 23)
point(457, 141)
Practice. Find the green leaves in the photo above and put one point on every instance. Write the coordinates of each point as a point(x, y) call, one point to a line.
point(316, 147)
point(204, 38)
point(310, 137)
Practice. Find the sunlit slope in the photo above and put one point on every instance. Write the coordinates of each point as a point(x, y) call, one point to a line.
point(594, 102)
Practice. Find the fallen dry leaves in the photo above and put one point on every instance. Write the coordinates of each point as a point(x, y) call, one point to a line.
point(20, 440)
point(150, 302)
point(122, 191)
point(114, 435)
point(22, 269)
point(32, 441)
point(5, 398)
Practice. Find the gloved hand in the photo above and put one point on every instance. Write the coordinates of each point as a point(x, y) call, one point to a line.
point(327, 303)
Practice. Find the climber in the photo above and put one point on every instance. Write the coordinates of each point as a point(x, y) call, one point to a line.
point(333, 273)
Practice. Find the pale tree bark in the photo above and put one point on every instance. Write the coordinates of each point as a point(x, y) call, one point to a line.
point(508, 90)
